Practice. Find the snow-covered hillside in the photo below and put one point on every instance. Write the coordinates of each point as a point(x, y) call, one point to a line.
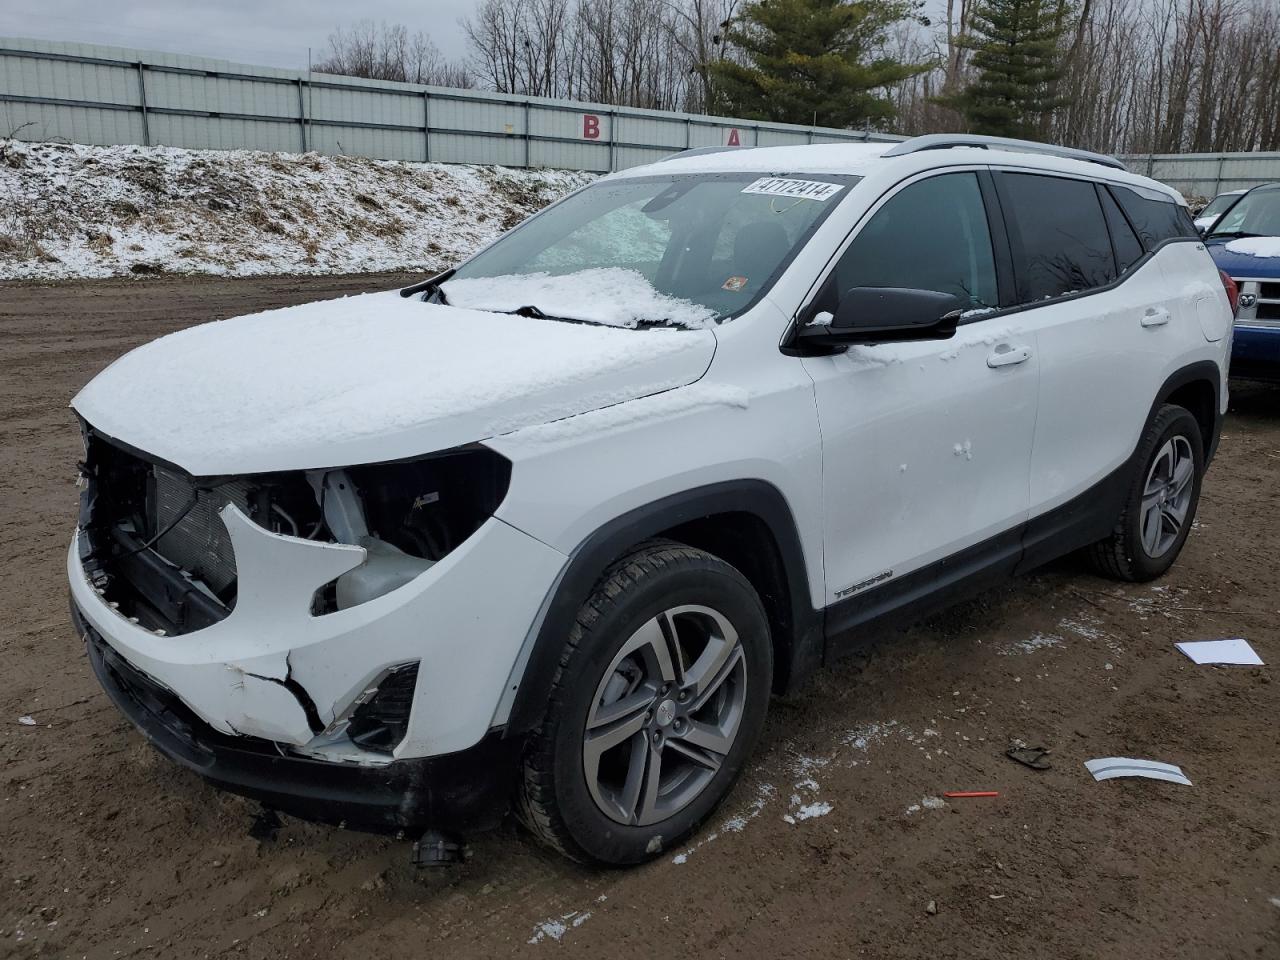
point(70, 211)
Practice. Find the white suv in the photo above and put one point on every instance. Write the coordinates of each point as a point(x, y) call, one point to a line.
point(545, 531)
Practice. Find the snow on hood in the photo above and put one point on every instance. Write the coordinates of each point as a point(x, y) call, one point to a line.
point(1247, 256)
point(608, 295)
point(370, 378)
point(1256, 246)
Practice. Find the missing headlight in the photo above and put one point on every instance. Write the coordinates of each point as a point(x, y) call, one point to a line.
point(428, 507)
point(406, 515)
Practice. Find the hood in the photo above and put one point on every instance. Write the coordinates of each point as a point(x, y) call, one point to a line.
point(1241, 264)
point(370, 378)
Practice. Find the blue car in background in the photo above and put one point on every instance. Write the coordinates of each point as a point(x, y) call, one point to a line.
point(1245, 244)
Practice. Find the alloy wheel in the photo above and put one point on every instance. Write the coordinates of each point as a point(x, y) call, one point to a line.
point(665, 715)
point(1166, 498)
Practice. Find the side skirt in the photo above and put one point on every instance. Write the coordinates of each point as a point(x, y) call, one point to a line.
point(853, 623)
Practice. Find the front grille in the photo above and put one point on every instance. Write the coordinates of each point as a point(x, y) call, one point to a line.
point(199, 542)
point(1260, 302)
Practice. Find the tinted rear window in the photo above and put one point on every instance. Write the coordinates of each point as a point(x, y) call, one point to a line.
point(1127, 245)
point(1155, 220)
point(1060, 236)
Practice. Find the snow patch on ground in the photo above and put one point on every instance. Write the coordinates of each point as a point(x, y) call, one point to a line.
point(554, 928)
point(926, 803)
point(863, 738)
point(808, 811)
point(804, 804)
point(1037, 641)
point(73, 211)
point(1256, 246)
point(735, 824)
point(1085, 629)
point(608, 295)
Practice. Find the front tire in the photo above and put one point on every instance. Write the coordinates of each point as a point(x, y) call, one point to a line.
point(1161, 504)
point(659, 699)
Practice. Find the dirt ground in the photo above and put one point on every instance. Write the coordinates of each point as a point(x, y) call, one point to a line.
point(108, 850)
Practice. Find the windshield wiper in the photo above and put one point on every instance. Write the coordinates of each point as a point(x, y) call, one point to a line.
point(536, 313)
point(430, 286)
point(1234, 234)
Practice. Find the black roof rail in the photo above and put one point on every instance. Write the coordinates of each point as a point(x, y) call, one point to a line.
point(944, 141)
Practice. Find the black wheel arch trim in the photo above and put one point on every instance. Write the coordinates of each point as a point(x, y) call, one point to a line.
point(1200, 370)
point(803, 649)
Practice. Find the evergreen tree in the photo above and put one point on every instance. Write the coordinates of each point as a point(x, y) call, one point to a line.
point(813, 61)
point(1017, 55)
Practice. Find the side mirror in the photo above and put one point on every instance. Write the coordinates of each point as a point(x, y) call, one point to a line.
point(886, 314)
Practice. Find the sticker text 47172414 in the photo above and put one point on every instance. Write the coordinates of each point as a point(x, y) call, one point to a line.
point(798, 189)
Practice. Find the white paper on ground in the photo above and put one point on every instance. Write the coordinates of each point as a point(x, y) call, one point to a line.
point(1105, 768)
point(1235, 651)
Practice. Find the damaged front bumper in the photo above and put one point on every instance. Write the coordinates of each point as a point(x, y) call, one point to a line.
point(272, 670)
point(465, 791)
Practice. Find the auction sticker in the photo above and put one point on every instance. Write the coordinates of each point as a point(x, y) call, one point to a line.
point(799, 189)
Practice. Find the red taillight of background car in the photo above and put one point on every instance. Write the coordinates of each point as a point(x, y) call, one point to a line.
point(1233, 291)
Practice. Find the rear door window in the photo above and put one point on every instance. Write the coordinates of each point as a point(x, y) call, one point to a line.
point(1059, 235)
point(1126, 243)
point(1155, 216)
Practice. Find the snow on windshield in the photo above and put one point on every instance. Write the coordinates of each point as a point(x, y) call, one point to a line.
point(612, 296)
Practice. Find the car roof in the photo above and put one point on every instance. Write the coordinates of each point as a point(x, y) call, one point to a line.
point(867, 159)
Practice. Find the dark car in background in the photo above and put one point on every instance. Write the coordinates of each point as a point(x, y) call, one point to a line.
point(1245, 244)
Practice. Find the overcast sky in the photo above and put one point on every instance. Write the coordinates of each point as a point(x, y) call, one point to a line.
point(268, 32)
point(272, 33)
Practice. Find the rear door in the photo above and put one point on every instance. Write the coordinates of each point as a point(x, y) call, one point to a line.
point(926, 446)
point(1101, 312)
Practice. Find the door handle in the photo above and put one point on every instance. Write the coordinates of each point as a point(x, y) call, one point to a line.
point(1006, 355)
point(1155, 317)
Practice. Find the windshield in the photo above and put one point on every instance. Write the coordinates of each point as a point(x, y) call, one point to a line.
point(1217, 205)
point(1256, 215)
point(673, 250)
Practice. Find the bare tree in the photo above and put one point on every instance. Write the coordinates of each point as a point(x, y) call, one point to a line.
point(1139, 76)
point(389, 52)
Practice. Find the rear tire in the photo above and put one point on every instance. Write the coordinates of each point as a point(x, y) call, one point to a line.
point(1161, 504)
point(658, 701)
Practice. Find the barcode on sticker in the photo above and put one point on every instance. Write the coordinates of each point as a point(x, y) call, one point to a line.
point(800, 189)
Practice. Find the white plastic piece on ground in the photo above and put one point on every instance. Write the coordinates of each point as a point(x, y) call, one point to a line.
point(27, 721)
point(1234, 651)
point(1108, 768)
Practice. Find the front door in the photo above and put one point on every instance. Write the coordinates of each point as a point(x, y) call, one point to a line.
point(926, 445)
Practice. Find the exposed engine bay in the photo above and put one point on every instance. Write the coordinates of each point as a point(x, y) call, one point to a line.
point(154, 546)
